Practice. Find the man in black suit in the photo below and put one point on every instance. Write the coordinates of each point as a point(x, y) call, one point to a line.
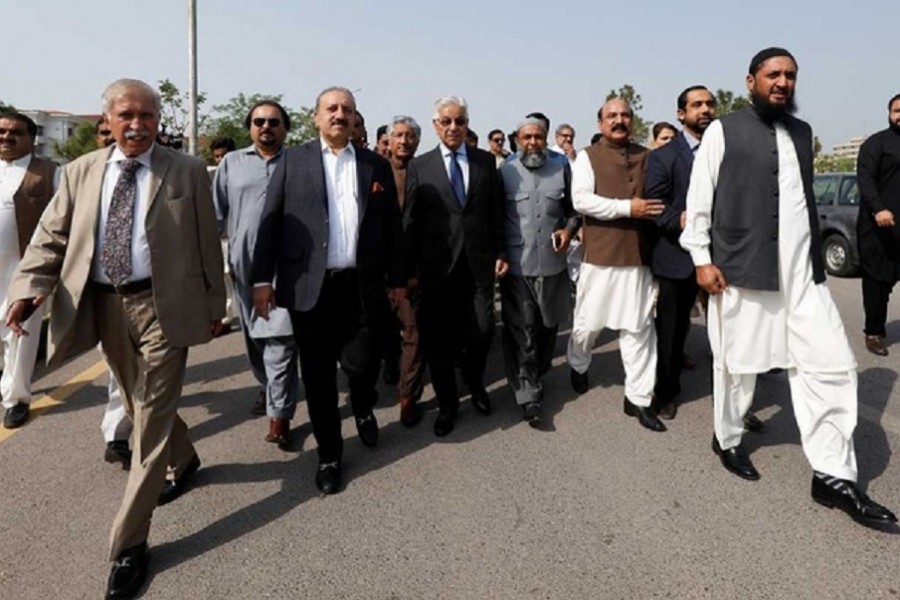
point(453, 219)
point(330, 242)
point(668, 175)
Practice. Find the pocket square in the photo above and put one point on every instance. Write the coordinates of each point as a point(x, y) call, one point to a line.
point(376, 187)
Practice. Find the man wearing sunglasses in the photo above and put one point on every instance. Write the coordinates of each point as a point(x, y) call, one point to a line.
point(496, 139)
point(239, 192)
point(453, 219)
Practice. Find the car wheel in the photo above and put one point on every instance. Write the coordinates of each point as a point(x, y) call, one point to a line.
point(836, 256)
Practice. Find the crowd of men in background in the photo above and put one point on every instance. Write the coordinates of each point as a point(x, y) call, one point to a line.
point(342, 257)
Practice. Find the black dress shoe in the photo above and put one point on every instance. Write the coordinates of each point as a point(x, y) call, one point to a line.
point(840, 493)
point(579, 381)
point(176, 487)
point(752, 423)
point(532, 414)
point(481, 401)
point(667, 411)
point(328, 478)
point(117, 452)
point(736, 460)
point(128, 574)
point(367, 427)
point(644, 414)
point(444, 423)
point(16, 416)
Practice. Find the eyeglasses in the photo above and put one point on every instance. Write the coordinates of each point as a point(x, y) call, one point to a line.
point(498, 140)
point(447, 121)
point(567, 135)
point(272, 122)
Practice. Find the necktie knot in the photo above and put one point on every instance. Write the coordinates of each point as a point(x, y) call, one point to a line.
point(129, 167)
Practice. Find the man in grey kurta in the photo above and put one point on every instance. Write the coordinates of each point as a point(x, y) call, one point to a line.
point(239, 191)
point(539, 223)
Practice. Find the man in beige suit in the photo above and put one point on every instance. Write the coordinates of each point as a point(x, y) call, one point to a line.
point(131, 248)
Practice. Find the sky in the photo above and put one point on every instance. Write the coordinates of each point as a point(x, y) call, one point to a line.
point(506, 58)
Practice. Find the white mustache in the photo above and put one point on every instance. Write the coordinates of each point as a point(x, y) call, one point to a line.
point(136, 135)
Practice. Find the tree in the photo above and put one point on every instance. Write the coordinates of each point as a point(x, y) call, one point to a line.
point(640, 129)
point(227, 120)
point(82, 141)
point(174, 110)
point(828, 163)
point(727, 102)
point(6, 108)
point(817, 146)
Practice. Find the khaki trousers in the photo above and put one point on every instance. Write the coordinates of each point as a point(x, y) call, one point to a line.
point(151, 373)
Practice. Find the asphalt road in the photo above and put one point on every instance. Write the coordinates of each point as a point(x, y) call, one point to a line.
point(593, 507)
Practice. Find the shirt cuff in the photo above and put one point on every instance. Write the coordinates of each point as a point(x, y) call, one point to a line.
point(701, 257)
point(261, 284)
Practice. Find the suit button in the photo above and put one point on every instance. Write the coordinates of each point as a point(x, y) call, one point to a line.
point(775, 215)
point(774, 236)
point(775, 193)
point(775, 171)
point(630, 179)
point(324, 244)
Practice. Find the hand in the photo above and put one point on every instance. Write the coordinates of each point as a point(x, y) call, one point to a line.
point(215, 327)
point(263, 299)
point(710, 278)
point(20, 311)
point(683, 219)
point(884, 218)
point(396, 296)
point(646, 209)
point(564, 239)
point(501, 268)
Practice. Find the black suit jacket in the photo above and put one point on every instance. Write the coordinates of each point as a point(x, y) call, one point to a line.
point(292, 243)
point(438, 230)
point(667, 178)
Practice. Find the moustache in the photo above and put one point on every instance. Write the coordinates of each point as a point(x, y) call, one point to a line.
point(341, 122)
point(140, 134)
point(619, 127)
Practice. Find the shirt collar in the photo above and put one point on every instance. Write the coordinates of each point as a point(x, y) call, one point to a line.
point(251, 149)
point(118, 156)
point(326, 149)
point(692, 142)
point(446, 152)
point(22, 161)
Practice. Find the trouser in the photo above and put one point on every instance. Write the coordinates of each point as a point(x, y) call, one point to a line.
point(824, 408)
point(673, 320)
point(875, 304)
point(151, 374)
point(457, 326)
point(19, 357)
point(412, 367)
point(527, 343)
point(336, 329)
point(116, 425)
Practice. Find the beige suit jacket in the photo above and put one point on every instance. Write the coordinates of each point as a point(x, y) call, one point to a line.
point(185, 254)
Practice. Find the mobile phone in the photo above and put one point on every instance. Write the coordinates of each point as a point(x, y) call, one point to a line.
point(557, 241)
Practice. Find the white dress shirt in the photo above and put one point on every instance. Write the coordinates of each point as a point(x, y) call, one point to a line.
point(140, 248)
point(462, 158)
point(342, 189)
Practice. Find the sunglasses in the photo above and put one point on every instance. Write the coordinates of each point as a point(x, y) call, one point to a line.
point(447, 121)
point(104, 133)
point(499, 140)
point(272, 122)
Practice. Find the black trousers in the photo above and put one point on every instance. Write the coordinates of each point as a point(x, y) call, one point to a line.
point(875, 304)
point(673, 320)
point(336, 330)
point(457, 323)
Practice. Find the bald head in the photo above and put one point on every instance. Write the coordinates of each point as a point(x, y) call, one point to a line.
point(614, 119)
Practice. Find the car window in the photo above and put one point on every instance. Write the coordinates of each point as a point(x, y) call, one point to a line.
point(849, 192)
point(825, 189)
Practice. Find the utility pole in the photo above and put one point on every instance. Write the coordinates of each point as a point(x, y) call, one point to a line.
point(192, 76)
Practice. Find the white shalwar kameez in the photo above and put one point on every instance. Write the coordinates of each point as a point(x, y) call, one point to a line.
point(613, 297)
point(797, 328)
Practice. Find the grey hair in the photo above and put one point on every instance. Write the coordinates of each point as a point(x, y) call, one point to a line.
point(334, 88)
point(124, 87)
point(409, 122)
point(562, 126)
point(445, 101)
point(531, 121)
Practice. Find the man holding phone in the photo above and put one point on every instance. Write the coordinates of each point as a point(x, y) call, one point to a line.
point(539, 223)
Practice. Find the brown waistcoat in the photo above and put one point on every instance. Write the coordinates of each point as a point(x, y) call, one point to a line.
point(32, 198)
point(618, 173)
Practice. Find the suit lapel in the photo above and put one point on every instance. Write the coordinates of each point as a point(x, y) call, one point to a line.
point(159, 166)
point(314, 161)
point(93, 186)
point(364, 170)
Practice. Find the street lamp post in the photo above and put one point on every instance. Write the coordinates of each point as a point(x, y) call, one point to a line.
point(192, 76)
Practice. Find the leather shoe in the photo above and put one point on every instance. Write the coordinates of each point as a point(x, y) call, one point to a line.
point(328, 477)
point(840, 493)
point(752, 423)
point(259, 405)
point(644, 414)
point(367, 427)
point(532, 414)
point(176, 487)
point(279, 432)
point(875, 345)
point(410, 415)
point(579, 381)
point(117, 452)
point(444, 423)
point(481, 401)
point(736, 460)
point(129, 571)
point(16, 416)
point(667, 411)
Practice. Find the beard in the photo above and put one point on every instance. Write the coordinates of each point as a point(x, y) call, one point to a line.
point(772, 112)
point(894, 126)
point(534, 160)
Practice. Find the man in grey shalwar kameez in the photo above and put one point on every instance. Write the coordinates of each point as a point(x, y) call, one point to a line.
point(535, 294)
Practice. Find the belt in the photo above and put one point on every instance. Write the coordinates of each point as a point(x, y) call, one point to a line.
point(129, 287)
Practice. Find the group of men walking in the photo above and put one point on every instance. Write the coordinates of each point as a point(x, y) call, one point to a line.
point(334, 249)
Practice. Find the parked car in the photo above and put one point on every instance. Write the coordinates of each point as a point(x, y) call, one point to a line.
point(837, 200)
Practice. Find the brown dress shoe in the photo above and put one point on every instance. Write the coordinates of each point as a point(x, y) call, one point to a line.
point(259, 405)
point(875, 345)
point(279, 432)
point(409, 412)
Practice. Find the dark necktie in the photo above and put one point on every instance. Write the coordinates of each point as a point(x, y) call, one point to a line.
point(115, 256)
point(456, 181)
